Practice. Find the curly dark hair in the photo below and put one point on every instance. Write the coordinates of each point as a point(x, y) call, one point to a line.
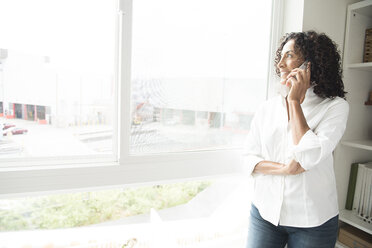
point(323, 53)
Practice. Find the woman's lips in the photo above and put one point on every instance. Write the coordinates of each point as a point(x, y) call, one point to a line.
point(284, 73)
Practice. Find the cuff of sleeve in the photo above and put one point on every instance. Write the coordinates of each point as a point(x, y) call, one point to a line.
point(301, 151)
point(250, 162)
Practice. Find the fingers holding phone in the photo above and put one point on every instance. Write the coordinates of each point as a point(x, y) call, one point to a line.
point(299, 81)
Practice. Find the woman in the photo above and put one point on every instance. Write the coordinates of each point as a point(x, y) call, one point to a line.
point(290, 145)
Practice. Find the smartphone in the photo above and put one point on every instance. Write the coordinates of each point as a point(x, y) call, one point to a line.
point(304, 65)
point(283, 89)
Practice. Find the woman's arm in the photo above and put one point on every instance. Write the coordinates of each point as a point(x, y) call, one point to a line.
point(297, 120)
point(274, 168)
point(300, 82)
point(311, 147)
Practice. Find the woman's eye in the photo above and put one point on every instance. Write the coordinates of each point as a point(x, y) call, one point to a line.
point(289, 55)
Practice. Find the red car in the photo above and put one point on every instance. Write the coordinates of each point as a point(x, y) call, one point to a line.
point(15, 131)
point(8, 125)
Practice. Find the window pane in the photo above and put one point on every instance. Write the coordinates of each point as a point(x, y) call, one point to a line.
point(56, 77)
point(96, 207)
point(199, 71)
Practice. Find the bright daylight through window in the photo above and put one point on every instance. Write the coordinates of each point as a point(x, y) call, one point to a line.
point(56, 77)
point(199, 70)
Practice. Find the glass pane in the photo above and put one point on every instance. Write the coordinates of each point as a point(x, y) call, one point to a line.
point(96, 207)
point(199, 70)
point(56, 77)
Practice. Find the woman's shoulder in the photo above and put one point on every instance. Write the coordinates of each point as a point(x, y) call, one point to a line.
point(339, 101)
point(338, 104)
point(268, 106)
point(273, 101)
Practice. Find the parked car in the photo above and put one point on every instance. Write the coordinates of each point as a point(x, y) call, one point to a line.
point(15, 131)
point(8, 125)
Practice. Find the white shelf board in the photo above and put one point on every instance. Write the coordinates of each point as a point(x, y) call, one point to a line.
point(362, 144)
point(350, 218)
point(362, 7)
point(360, 66)
point(340, 245)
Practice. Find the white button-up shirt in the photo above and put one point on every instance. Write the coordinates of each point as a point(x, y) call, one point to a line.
point(310, 198)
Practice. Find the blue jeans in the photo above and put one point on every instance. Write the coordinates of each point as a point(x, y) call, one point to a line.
point(263, 234)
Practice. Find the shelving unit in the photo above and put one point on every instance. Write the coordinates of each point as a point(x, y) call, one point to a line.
point(349, 217)
point(361, 66)
point(340, 245)
point(356, 145)
point(361, 144)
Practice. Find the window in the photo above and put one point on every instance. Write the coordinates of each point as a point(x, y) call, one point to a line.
point(199, 70)
point(175, 104)
point(57, 78)
point(95, 207)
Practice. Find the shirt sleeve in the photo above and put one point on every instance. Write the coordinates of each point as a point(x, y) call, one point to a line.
point(252, 147)
point(319, 143)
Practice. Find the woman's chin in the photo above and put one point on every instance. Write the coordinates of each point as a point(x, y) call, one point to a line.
point(282, 89)
point(283, 81)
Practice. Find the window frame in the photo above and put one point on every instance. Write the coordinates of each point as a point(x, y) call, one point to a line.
point(24, 177)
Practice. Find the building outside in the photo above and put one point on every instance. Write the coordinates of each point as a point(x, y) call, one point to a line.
point(32, 88)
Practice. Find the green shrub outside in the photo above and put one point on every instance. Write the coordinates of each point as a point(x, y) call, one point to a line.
point(87, 208)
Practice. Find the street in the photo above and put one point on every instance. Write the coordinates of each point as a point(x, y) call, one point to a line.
point(152, 137)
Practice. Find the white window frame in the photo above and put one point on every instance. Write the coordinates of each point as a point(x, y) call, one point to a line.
point(18, 177)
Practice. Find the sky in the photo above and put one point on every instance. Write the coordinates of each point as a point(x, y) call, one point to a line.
point(73, 33)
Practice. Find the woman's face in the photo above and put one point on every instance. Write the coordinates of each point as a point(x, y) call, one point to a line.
point(290, 59)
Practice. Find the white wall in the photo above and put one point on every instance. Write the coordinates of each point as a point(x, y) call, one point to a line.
point(292, 16)
point(328, 16)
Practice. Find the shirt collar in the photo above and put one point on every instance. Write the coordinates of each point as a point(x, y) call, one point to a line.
point(310, 97)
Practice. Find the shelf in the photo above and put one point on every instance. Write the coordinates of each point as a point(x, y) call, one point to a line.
point(340, 245)
point(360, 66)
point(362, 7)
point(362, 144)
point(350, 218)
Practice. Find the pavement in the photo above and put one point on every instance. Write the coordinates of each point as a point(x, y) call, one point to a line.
point(43, 140)
point(154, 137)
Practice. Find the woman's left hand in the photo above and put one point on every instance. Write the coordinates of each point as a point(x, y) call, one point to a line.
point(300, 81)
point(292, 168)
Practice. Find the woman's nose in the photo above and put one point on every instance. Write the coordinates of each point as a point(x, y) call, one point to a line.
point(281, 63)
